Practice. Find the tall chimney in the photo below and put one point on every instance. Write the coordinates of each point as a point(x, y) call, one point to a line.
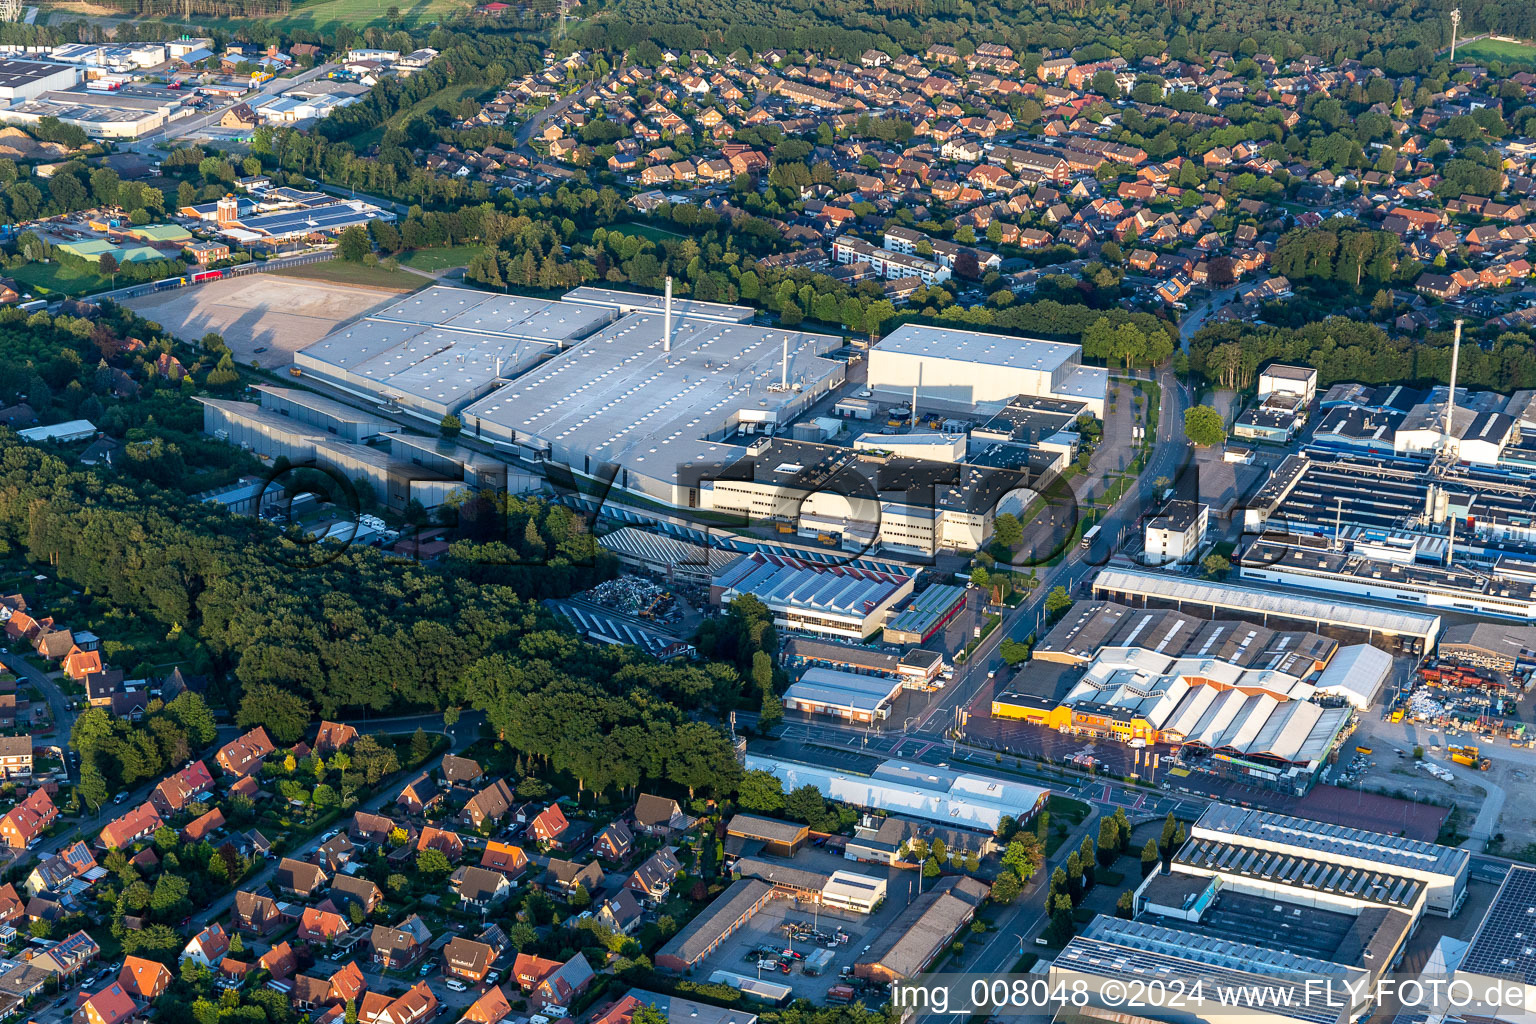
point(666, 319)
point(1450, 405)
point(1450, 546)
point(784, 366)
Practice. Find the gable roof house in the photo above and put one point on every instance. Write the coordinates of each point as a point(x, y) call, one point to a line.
point(461, 771)
point(504, 857)
point(400, 946)
point(614, 843)
point(447, 843)
point(491, 1008)
point(347, 889)
point(208, 947)
point(299, 877)
point(370, 828)
point(491, 804)
point(131, 827)
point(479, 887)
point(549, 825)
point(279, 961)
point(112, 1005)
point(653, 879)
point(333, 736)
point(319, 925)
point(660, 816)
point(255, 913)
point(420, 795)
point(565, 985)
point(528, 970)
point(566, 875)
point(24, 823)
point(175, 792)
point(145, 980)
point(467, 959)
point(244, 755)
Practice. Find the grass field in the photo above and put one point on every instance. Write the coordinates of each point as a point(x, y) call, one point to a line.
point(338, 272)
point(440, 259)
point(55, 278)
point(1494, 49)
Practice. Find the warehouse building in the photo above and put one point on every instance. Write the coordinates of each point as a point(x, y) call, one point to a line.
point(863, 699)
point(841, 601)
point(22, 80)
point(1388, 628)
point(922, 931)
point(1442, 870)
point(969, 368)
point(700, 937)
point(1111, 953)
point(919, 669)
point(928, 613)
point(1501, 952)
point(658, 410)
point(1356, 674)
point(753, 834)
point(953, 798)
point(645, 302)
point(672, 558)
point(431, 353)
point(1499, 646)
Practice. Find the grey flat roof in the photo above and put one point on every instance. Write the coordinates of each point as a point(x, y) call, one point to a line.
point(629, 302)
point(619, 398)
point(19, 72)
point(1240, 823)
point(1502, 944)
point(977, 347)
point(1229, 595)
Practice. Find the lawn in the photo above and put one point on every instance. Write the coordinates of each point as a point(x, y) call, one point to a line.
point(440, 259)
point(339, 272)
point(1495, 49)
point(317, 14)
point(51, 278)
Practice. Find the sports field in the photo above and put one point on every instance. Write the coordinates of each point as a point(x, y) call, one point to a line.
point(278, 315)
point(1497, 49)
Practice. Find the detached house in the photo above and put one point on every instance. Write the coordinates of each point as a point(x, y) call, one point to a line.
point(130, 828)
point(614, 843)
point(208, 947)
point(298, 877)
point(245, 755)
point(420, 795)
point(400, 947)
point(653, 879)
point(489, 805)
point(175, 792)
point(333, 736)
point(564, 985)
point(505, 858)
point(479, 887)
point(347, 889)
point(549, 826)
point(112, 1005)
point(145, 980)
point(24, 823)
point(321, 926)
point(467, 959)
point(256, 914)
point(447, 843)
point(566, 875)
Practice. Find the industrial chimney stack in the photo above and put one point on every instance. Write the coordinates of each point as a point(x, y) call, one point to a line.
point(1450, 405)
point(666, 319)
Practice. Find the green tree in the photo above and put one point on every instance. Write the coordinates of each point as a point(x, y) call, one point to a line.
point(1149, 858)
point(1006, 887)
point(1125, 904)
point(432, 862)
point(108, 267)
point(1057, 601)
point(762, 792)
point(1203, 426)
point(280, 710)
point(353, 244)
point(1008, 531)
point(1215, 566)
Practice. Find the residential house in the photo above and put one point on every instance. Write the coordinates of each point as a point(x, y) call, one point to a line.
point(614, 843)
point(335, 853)
point(653, 879)
point(130, 828)
point(491, 1008)
point(112, 1005)
point(504, 857)
point(15, 757)
point(203, 826)
point(564, 985)
point(461, 771)
point(370, 829)
point(145, 980)
point(417, 1004)
point(447, 843)
point(245, 755)
point(565, 875)
point(208, 947)
point(479, 887)
point(549, 826)
point(530, 970)
point(300, 878)
point(333, 736)
point(24, 823)
point(347, 889)
point(420, 795)
point(279, 961)
point(255, 913)
point(68, 957)
point(489, 805)
point(79, 664)
point(401, 946)
point(175, 792)
point(317, 925)
point(467, 959)
point(621, 912)
point(54, 644)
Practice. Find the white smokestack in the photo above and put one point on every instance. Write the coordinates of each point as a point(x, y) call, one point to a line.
point(666, 319)
point(784, 366)
point(1450, 405)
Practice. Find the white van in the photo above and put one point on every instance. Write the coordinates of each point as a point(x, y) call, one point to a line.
point(456, 985)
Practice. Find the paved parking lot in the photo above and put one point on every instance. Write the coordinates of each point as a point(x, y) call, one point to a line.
point(766, 928)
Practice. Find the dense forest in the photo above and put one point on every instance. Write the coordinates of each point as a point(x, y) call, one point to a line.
point(1400, 35)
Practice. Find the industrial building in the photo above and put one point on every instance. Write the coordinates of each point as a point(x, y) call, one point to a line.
point(922, 931)
point(359, 447)
point(953, 798)
point(1388, 628)
point(1501, 951)
point(700, 937)
point(929, 612)
point(920, 669)
point(657, 410)
point(1110, 953)
point(1499, 646)
point(1177, 533)
point(970, 368)
point(432, 352)
point(1442, 870)
point(840, 601)
point(856, 698)
point(22, 80)
point(646, 302)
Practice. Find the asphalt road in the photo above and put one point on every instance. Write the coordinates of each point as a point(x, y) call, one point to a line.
point(198, 122)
